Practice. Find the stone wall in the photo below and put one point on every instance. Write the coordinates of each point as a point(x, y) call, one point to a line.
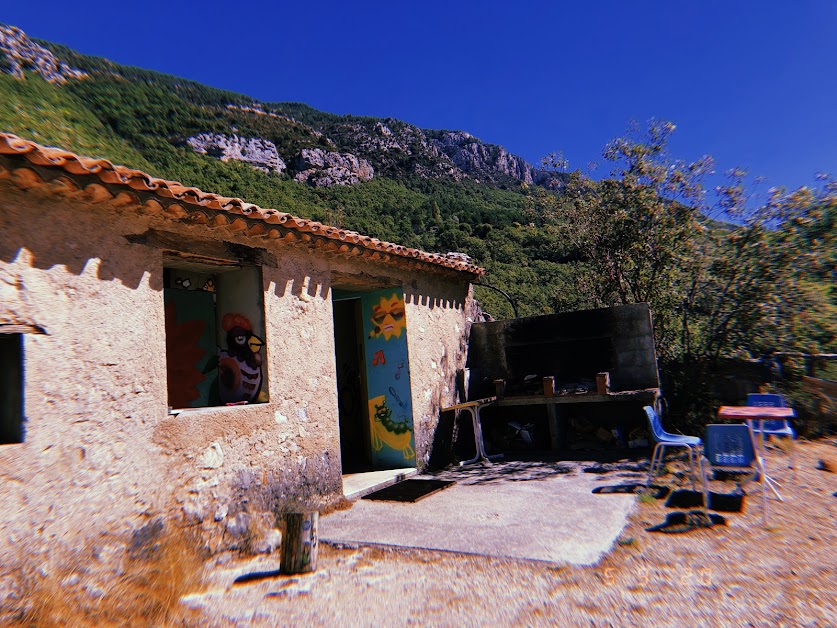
point(101, 451)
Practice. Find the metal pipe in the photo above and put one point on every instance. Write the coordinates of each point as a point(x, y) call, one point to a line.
point(504, 293)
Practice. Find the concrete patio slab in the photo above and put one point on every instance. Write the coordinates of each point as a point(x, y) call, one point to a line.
point(542, 511)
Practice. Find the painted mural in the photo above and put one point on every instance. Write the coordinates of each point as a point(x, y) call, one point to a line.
point(190, 345)
point(388, 317)
point(214, 331)
point(388, 378)
point(240, 364)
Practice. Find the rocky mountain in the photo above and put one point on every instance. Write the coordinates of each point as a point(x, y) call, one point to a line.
point(396, 148)
point(259, 153)
point(19, 54)
point(481, 160)
point(290, 139)
point(323, 168)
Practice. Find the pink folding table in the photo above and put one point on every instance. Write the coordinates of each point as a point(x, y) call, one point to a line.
point(760, 414)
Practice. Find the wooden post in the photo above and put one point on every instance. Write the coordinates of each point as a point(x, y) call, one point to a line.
point(299, 543)
point(603, 383)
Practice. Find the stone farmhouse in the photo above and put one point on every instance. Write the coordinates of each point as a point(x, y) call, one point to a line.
point(168, 352)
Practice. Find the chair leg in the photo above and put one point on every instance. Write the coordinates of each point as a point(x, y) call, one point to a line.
point(692, 456)
point(772, 484)
point(705, 486)
point(660, 458)
point(691, 467)
point(653, 462)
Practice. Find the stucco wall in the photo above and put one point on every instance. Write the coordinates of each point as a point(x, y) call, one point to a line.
point(93, 390)
point(228, 466)
point(101, 451)
point(439, 316)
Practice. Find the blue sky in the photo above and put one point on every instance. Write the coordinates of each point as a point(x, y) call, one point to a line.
point(752, 83)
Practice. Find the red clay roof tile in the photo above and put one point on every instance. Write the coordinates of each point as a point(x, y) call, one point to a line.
point(104, 172)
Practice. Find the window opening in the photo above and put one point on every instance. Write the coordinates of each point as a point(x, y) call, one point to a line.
point(215, 330)
point(11, 389)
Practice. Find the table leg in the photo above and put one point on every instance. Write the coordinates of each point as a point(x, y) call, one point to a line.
point(478, 437)
point(768, 481)
point(478, 442)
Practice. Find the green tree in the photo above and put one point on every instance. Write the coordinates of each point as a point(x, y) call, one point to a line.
point(761, 276)
point(638, 231)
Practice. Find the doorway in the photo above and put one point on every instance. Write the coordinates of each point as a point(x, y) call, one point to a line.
point(355, 449)
point(373, 380)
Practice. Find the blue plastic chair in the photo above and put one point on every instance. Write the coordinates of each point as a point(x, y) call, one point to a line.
point(663, 439)
point(764, 400)
point(732, 447)
point(772, 427)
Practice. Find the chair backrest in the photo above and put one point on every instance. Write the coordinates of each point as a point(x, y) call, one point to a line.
point(768, 425)
point(654, 422)
point(766, 401)
point(729, 445)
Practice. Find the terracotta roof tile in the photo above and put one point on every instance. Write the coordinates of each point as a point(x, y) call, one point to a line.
point(231, 211)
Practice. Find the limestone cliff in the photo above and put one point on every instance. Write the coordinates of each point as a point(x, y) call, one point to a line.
point(19, 54)
point(480, 160)
point(398, 148)
point(323, 168)
point(259, 153)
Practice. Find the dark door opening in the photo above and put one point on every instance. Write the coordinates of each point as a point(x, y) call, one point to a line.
point(351, 388)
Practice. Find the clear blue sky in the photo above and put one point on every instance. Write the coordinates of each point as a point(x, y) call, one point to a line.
point(753, 83)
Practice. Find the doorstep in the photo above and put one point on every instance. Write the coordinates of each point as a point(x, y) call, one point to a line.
point(356, 485)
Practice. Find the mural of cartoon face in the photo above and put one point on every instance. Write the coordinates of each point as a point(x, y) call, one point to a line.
point(388, 317)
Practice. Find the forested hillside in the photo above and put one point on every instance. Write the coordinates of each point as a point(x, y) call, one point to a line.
point(764, 277)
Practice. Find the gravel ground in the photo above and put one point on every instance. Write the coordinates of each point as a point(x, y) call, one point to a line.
point(740, 574)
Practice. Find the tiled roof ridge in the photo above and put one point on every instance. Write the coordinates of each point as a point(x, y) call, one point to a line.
point(139, 181)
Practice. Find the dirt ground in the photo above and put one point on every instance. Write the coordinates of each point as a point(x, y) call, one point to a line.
point(739, 574)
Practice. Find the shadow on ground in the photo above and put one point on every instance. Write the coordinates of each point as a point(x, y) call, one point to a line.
point(538, 466)
point(504, 471)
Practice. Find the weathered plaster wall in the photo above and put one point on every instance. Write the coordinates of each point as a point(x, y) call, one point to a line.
point(101, 451)
point(93, 390)
point(228, 466)
point(439, 317)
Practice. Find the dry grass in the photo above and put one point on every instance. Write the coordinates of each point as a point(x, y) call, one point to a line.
point(646, 498)
point(144, 591)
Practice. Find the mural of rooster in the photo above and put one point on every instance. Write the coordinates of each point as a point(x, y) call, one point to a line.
point(240, 365)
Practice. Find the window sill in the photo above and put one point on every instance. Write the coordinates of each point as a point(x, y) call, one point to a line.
point(217, 409)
